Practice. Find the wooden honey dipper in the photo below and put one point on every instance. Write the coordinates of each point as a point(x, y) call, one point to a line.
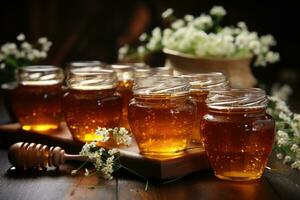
point(25, 155)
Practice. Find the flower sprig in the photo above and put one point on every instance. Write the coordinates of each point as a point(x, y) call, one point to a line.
point(287, 140)
point(203, 36)
point(106, 161)
point(21, 53)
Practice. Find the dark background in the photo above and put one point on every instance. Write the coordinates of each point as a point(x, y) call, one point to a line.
point(94, 29)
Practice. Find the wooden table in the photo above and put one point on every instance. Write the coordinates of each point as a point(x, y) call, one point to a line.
point(279, 183)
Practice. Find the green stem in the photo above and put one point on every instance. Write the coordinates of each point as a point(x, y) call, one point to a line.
point(147, 182)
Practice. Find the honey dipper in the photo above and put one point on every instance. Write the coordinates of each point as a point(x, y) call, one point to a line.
point(31, 155)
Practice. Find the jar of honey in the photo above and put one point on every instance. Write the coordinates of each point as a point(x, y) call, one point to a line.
point(91, 102)
point(201, 85)
point(161, 115)
point(125, 74)
point(37, 99)
point(238, 134)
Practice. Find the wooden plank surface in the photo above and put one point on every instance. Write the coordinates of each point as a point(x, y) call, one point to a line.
point(279, 183)
point(58, 185)
point(193, 159)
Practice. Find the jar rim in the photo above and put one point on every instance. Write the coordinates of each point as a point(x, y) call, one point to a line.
point(85, 63)
point(161, 86)
point(207, 81)
point(247, 98)
point(39, 68)
point(38, 75)
point(91, 80)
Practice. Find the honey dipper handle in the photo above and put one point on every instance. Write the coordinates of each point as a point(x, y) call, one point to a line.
point(76, 157)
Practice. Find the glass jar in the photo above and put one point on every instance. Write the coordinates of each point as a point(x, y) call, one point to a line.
point(37, 99)
point(201, 85)
point(161, 115)
point(125, 75)
point(91, 101)
point(238, 134)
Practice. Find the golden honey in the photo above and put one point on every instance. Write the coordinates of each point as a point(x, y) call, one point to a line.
point(125, 74)
point(37, 99)
point(161, 116)
point(238, 134)
point(201, 85)
point(91, 102)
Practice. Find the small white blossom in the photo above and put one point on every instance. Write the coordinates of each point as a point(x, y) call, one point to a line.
point(279, 155)
point(87, 172)
point(167, 13)
point(218, 11)
point(103, 133)
point(143, 37)
point(21, 37)
point(287, 159)
point(296, 164)
point(272, 57)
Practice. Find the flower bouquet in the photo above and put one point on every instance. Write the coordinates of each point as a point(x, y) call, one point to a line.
point(19, 54)
point(201, 44)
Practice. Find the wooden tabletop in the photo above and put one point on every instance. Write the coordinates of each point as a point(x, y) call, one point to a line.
point(278, 183)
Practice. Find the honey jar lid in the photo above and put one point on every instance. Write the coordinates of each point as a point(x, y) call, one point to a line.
point(237, 99)
point(92, 80)
point(207, 81)
point(39, 75)
point(161, 85)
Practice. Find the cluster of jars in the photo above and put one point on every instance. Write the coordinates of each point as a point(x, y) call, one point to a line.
point(165, 113)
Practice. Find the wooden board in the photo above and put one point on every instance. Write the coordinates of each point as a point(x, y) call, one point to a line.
point(194, 159)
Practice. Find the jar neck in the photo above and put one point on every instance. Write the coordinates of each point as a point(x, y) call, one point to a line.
point(251, 111)
point(159, 98)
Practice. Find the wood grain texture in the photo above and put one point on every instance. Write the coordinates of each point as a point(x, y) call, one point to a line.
point(194, 159)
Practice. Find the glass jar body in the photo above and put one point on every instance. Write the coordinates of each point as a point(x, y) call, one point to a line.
point(161, 124)
point(238, 142)
point(86, 110)
point(38, 107)
point(37, 99)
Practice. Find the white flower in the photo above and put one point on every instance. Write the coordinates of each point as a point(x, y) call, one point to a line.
point(122, 52)
point(296, 164)
point(268, 40)
point(287, 159)
point(26, 46)
point(141, 50)
point(113, 151)
point(74, 172)
point(167, 13)
point(242, 25)
point(272, 57)
point(21, 37)
point(177, 24)
point(2, 66)
point(121, 136)
point(103, 133)
point(281, 92)
point(202, 22)
point(218, 11)
point(43, 40)
point(294, 147)
point(279, 155)
point(143, 37)
point(188, 18)
point(87, 172)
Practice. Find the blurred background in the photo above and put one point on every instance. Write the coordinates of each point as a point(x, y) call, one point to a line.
point(95, 29)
